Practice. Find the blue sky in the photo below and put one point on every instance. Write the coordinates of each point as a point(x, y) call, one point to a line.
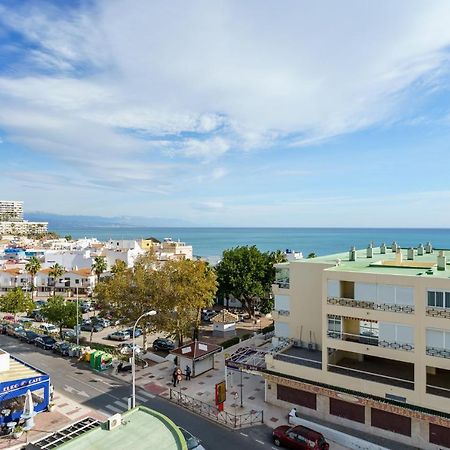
point(228, 113)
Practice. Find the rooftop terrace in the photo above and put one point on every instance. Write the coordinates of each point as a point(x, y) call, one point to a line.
point(389, 262)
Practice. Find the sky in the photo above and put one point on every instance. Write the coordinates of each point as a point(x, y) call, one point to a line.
point(228, 113)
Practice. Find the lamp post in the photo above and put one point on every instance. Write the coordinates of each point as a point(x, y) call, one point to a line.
point(133, 361)
point(78, 327)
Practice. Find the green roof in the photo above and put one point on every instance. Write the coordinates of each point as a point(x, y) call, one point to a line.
point(142, 428)
point(424, 265)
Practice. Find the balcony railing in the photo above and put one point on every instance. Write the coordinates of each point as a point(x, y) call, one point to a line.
point(367, 339)
point(365, 304)
point(438, 390)
point(438, 312)
point(439, 352)
point(283, 312)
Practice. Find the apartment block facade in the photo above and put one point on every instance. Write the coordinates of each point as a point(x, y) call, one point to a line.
point(11, 211)
point(362, 339)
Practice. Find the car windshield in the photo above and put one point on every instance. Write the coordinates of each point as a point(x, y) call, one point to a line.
point(191, 441)
point(47, 339)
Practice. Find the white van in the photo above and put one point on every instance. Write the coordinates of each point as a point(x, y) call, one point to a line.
point(48, 328)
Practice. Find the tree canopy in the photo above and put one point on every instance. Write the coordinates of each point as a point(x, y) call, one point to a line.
point(33, 266)
point(60, 312)
point(16, 301)
point(99, 266)
point(247, 274)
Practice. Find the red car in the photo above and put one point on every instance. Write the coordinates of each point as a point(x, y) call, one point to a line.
point(299, 437)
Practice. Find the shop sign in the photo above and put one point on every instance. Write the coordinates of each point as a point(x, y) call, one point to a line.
point(19, 384)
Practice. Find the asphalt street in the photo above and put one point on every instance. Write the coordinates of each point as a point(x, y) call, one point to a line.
point(109, 396)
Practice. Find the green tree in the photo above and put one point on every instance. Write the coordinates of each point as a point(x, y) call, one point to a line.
point(185, 287)
point(56, 272)
point(68, 237)
point(119, 266)
point(247, 274)
point(311, 255)
point(33, 266)
point(60, 312)
point(16, 301)
point(99, 266)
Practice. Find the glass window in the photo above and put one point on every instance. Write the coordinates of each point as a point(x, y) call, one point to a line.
point(431, 298)
point(447, 300)
point(439, 299)
point(334, 325)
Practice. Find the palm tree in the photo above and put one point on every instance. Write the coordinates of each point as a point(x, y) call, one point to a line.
point(99, 266)
point(56, 271)
point(33, 266)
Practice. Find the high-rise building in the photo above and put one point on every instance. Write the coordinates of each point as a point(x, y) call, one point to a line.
point(11, 211)
point(362, 339)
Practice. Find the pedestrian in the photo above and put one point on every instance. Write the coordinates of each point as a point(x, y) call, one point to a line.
point(292, 413)
point(188, 373)
point(174, 377)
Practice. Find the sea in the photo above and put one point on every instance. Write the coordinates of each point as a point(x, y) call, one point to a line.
point(211, 242)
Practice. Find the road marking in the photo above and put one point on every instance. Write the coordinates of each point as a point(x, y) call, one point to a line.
point(93, 387)
point(144, 396)
point(260, 442)
point(121, 403)
point(114, 409)
point(243, 434)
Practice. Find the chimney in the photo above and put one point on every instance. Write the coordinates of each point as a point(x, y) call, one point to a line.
point(420, 250)
point(369, 251)
point(383, 248)
point(428, 248)
point(398, 256)
point(410, 253)
point(394, 247)
point(352, 254)
point(441, 261)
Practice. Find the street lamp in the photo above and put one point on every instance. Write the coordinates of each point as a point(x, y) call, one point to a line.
point(78, 326)
point(133, 361)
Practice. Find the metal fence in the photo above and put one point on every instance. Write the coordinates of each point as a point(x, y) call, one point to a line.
point(212, 413)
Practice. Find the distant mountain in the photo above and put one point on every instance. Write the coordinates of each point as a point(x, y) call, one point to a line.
point(68, 221)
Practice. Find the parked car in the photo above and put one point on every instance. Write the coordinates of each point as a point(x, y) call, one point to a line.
point(208, 314)
point(124, 367)
point(86, 307)
point(12, 329)
point(88, 326)
point(48, 328)
point(9, 318)
point(27, 336)
point(163, 344)
point(45, 342)
point(299, 437)
point(62, 348)
point(103, 322)
point(119, 336)
point(40, 303)
point(70, 335)
point(24, 320)
point(137, 332)
point(127, 349)
point(192, 442)
point(36, 316)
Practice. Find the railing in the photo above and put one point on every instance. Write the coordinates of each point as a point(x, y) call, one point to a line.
point(212, 413)
point(438, 390)
point(283, 312)
point(370, 340)
point(433, 311)
point(371, 376)
point(299, 360)
point(365, 304)
point(439, 352)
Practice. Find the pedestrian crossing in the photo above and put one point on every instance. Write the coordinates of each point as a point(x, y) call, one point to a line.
point(121, 405)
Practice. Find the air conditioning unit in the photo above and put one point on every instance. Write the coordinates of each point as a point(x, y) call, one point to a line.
point(114, 421)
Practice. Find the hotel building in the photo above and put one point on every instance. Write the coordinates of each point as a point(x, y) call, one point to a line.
point(362, 339)
point(12, 223)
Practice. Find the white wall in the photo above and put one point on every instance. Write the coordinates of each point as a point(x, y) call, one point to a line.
point(281, 329)
point(282, 302)
point(384, 293)
point(334, 288)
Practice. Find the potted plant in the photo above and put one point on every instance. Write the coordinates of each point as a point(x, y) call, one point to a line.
point(17, 432)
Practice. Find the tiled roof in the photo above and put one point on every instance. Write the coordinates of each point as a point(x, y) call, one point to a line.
point(197, 350)
point(225, 316)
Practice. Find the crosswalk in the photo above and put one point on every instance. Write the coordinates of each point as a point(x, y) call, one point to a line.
point(121, 405)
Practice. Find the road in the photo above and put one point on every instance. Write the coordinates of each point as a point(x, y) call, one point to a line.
point(109, 396)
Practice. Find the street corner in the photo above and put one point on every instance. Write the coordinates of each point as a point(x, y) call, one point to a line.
point(156, 389)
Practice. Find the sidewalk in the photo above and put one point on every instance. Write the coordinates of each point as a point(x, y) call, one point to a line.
point(65, 412)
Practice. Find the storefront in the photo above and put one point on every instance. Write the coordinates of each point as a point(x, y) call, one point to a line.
point(16, 378)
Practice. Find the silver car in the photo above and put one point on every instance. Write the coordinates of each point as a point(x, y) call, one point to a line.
point(119, 336)
point(192, 442)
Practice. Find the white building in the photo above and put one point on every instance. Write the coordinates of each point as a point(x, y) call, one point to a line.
point(69, 259)
point(11, 211)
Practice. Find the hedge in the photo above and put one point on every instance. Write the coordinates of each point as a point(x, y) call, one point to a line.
point(268, 329)
point(233, 341)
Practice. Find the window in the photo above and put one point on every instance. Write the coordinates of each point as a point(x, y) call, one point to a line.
point(439, 299)
point(77, 281)
point(392, 332)
point(334, 326)
point(438, 339)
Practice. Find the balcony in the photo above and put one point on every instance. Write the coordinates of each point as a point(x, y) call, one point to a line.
point(282, 284)
point(365, 304)
point(439, 352)
point(368, 339)
point(434, 311)
point(301, 356)
point(372, 368)
point(438, 382)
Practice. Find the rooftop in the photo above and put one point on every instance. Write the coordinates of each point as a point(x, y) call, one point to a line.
point(388, 263)
point(141, 428)
point(18, 370)
point(197, 350)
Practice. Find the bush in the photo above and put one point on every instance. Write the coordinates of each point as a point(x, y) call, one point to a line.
point(233, 341)
point(246, 336)
point(268, 329)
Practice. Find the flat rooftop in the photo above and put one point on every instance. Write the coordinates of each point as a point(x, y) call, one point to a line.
point(142, 428)
point(17, 371)
point(388, 263)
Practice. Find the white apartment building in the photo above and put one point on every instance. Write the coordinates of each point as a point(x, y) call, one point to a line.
point(69, 259)
point(11, 211)
point(362, 339)
point(22, 228)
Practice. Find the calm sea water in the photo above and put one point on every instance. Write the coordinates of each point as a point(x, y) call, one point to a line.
point(212, 241)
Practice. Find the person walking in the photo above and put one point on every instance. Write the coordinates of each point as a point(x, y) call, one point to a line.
point(174, 377)
point(188, 373)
